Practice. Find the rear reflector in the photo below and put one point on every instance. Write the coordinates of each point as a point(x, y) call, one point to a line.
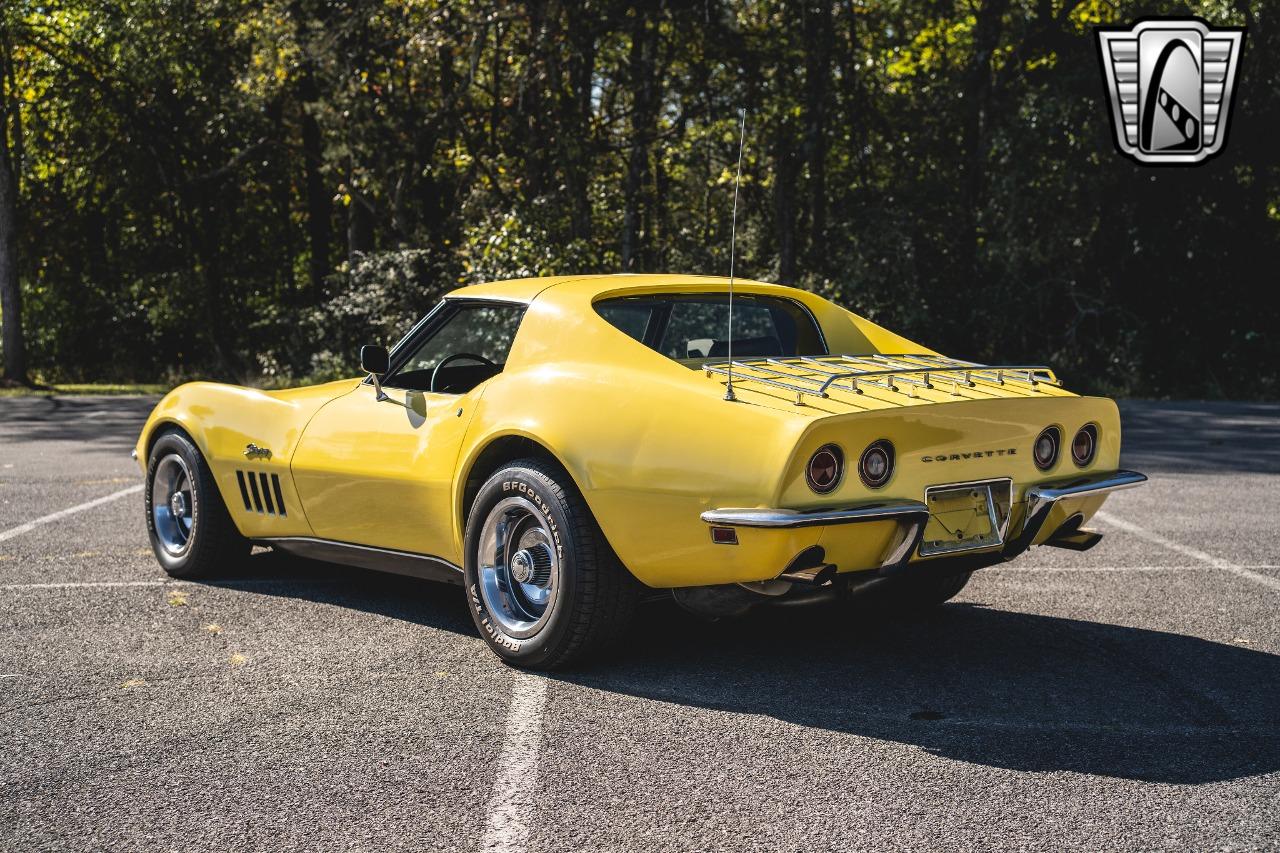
point(724, 536)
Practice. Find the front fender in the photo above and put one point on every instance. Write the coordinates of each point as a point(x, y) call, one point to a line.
point(223, 420)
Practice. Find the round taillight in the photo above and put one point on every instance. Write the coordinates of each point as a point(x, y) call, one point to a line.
point(876, 465)
point(1085, 445)
point(1046, 448)
point(824, 469)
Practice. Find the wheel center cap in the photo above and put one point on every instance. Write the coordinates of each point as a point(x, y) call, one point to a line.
point(178, 504)
point(522, 566)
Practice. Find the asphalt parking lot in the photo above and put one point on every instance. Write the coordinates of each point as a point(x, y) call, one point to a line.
point(1126, 698)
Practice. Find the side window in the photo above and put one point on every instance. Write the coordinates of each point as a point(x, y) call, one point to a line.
point(470, 347)
point(629, 317)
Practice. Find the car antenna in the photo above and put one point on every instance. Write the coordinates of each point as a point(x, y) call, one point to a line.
point(733, 242)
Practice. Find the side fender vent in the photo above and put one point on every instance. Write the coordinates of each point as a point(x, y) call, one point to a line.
point(261, 492)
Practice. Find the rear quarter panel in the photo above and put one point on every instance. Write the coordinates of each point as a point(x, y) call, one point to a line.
point(649, 450)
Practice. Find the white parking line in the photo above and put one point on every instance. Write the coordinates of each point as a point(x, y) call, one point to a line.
point(1073, 569)
point(212, 584)
point(92, 584)
point(32, 525)
point(507, 828)
point(1188, 551)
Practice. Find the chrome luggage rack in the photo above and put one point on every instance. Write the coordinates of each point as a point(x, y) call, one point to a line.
point(818, 375)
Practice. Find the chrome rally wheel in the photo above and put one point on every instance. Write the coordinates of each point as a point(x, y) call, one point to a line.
point(172, 506)
point(519, 566)
point(544, 588)
point(192, 533)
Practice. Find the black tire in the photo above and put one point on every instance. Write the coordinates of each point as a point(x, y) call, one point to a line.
point(911, 593)
point(212, 544)
point(593, 597)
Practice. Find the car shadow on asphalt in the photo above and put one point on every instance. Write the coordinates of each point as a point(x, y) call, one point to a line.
point(966, 682)
point(974, 684)
point(421, 602)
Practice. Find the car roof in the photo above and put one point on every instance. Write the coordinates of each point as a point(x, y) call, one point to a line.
point(526, 289)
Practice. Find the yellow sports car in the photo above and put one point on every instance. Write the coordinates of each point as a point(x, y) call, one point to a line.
point(562, 447)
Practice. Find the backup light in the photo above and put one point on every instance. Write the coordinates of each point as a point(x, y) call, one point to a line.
point(876, 465)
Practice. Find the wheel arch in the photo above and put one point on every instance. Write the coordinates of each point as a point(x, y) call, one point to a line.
point(490, 455)
point(497, 450)
point(166, 425)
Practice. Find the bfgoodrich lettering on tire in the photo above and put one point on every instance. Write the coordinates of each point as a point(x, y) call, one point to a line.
point(544, 588)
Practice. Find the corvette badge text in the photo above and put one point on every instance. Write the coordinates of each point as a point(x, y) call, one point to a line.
point(1170, 83)
point(974, 454)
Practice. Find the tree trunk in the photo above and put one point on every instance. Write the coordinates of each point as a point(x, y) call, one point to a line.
point(818, 38)
point(784, 195)
point(15, 349)
point(641, 67)
point(319, 199)
point(575, 134)
point(977, 96)
point(359, 228)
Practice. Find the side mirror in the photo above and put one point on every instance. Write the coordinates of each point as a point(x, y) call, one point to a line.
point(375, 359)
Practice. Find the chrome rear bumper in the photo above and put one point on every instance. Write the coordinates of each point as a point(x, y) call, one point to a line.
point(881, 511)
point(912, 516)
point(1040, 501)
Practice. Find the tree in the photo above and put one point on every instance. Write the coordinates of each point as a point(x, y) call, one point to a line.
point(15, 350)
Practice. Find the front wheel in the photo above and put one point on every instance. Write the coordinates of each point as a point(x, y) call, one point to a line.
point(191, 532)
point(545, 589)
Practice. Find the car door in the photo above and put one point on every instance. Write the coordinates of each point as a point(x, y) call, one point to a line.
point(379, 471)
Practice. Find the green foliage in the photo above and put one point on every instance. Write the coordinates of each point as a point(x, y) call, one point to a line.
point(249, 190)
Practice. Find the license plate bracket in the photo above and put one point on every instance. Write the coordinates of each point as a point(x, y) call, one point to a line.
point(966, 516)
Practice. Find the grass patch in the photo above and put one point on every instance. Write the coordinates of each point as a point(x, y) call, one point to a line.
point(77, 390)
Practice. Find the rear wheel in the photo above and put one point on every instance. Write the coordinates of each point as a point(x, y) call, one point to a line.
point(191, 532)
point(545, 589)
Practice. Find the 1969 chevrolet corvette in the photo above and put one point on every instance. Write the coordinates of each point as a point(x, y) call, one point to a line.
point(563, 447)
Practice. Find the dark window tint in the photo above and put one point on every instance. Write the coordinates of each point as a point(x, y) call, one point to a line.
point(689, 326)
point(480, 335)
point(632, 319)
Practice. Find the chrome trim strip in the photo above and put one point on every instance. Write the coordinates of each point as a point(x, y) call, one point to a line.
point(786, 518)
point(423, 566)
point(1041, 499)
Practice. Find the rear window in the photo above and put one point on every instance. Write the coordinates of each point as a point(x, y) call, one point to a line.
point(696, 326)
